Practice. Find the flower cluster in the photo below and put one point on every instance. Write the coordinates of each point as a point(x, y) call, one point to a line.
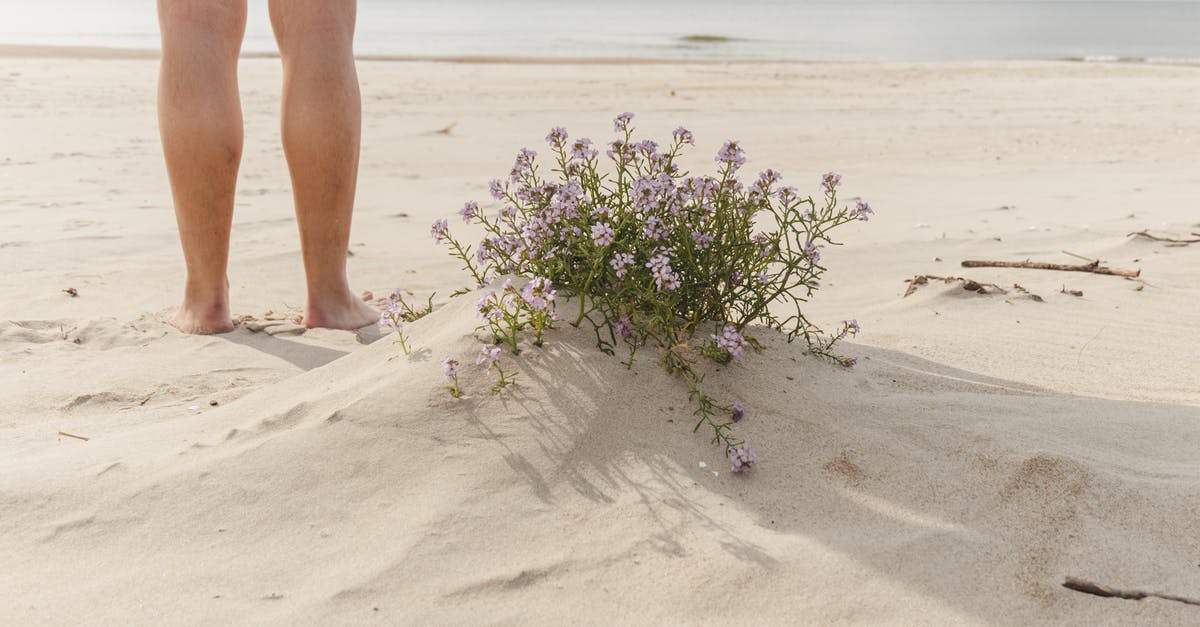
point(510, 310)
point(450, 369)
point(397, 312)
point(652, 254)
point(741, 458)
point(489, 359)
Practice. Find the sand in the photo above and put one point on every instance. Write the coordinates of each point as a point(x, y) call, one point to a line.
point(986, 446)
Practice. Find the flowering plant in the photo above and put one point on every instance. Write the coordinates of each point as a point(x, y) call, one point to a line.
point(654, 256)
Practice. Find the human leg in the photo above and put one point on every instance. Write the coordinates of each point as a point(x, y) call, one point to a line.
point(321, 127)
point(200, 121)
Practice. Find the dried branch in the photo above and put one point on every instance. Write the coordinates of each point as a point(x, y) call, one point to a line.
point(1094, 267)
point(970, 285)
point(1079, 585)
point(72, 435)
point(1157, 238)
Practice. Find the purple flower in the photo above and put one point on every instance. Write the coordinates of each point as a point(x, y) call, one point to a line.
point(702, 239)
point(851, 327)
point(731, 153)
point(488, 355)
point(741, 458)
point(621, 263)
point(735, 278)
point(861, 211)
point(624, 327)
point(496, 187)
point(830, 181)
point(656, 229)
point(557, 137)
point(621, 150)
point(763, 278)
point(440, 230)
point(488, 307)
point(787, 195)
point(538, 294)
point(769, 177)
point(731, 341)
point(450, 367)
point(684, 136)
point(814, 255)
point(664, 277)
point(602, 234)
point(390, 318)
point(621, 122)
point(739, 411)
point(523, 164)
point(582, 149)
point(469, 211)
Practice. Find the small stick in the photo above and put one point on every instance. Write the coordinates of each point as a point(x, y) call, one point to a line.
point(1079, 585)
point(1077, 256)
point(1147, 235)
point(1094, 267)
point(72, 435)
point(967, 284)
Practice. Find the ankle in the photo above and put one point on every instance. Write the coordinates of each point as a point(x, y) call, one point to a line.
point(206, 293)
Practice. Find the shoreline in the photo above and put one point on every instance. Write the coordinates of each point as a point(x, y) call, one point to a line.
point(107, 53)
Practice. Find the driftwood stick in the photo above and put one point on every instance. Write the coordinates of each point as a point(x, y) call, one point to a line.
point(1094, 267)
point(1079, 585)
point(1078, 256)
point(1157, 238)
point(967, 284)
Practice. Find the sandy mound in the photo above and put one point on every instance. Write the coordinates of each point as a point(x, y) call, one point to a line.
point(360, 490)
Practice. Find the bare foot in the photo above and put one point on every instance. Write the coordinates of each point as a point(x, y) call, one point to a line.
point(202, 320)
point(348, 312)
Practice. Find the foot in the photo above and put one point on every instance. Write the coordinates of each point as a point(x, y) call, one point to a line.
point(344, 312)
point(202, 320)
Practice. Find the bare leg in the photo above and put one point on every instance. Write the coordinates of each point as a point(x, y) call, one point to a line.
point(321, 125)
point(200, 120)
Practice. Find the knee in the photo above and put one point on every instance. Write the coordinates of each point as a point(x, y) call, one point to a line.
point(321, 26)
point(220, 23)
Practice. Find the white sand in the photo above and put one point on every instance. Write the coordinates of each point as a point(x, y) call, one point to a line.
point(986, 447)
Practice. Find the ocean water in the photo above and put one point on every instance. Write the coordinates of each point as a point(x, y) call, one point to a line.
point(1154, 30)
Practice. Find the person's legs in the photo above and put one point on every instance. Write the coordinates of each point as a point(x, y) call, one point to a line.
point(200, 120)
point(321, 125)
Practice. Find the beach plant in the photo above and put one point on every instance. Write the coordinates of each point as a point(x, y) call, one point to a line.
point(655, 257)
point(396, 312)
point(450, 369)
point(489, 359)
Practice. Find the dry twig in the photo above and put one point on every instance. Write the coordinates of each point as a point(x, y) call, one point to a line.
point(970, 285)
point(72, 435)
point(1094, 267)
point(1031, 295)
point(1146, 234)
point(1079, 585)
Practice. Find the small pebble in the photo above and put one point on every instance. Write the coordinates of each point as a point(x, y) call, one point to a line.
point(213, 403)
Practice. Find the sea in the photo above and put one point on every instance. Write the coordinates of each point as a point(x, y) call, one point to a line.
point(1154, 31)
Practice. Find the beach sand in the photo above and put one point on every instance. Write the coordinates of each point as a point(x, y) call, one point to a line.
point(986, 447)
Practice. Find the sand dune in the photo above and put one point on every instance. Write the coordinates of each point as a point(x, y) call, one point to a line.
point(986, 446)
point(901, 486)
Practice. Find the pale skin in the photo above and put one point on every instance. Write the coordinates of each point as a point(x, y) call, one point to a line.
point(200, 120)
